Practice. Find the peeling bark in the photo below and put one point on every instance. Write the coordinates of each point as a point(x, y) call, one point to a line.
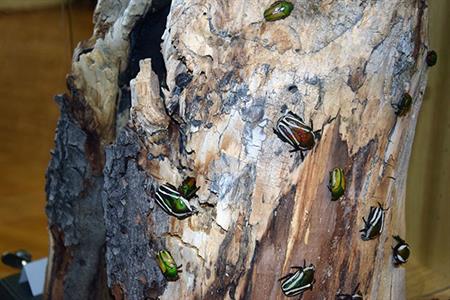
point(207, 109)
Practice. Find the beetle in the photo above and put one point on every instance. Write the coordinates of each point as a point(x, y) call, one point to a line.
point(188, 188)
point(293, 130)
point(336, 184)
point(294, 284)
point(374, 226)
point(400, 251)
point(278, 10)
point(404, 105)
point(167, 265)
point(173, 203)
point(431, 58)
point(356, 295)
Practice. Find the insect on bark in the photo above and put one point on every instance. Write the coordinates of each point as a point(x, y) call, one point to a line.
point(173, 203)
point(293, 130)
point(401, 251)
point(278, 10)
point(373, 227)
point(336, 184)
point(188, 188)
point(167, 265)
point(294, 284)
point(431, 58)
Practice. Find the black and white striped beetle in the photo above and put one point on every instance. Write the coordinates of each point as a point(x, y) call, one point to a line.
point(293, 130)
point(374, 225)
point(173, 203)
point(400, 251)
point(356, 295)
point(294, 284)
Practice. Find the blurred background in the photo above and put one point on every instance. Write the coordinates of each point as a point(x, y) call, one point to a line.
point(35, 56)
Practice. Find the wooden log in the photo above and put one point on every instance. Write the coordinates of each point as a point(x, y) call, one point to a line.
point(207, 109)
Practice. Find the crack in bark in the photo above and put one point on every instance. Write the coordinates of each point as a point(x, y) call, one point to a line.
point(186, 244)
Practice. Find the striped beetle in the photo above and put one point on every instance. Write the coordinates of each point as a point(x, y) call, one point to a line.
point(173, 203)
point(336, 184)
point(293, 130)
point(400, 251)
point(294, 284)
point(167, 265)
point(374, 226)
point(278, 10)
point(356, 295)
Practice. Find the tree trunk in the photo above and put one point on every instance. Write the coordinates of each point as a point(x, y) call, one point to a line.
point(130, 125)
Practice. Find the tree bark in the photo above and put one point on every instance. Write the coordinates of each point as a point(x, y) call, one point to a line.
point(128, 127)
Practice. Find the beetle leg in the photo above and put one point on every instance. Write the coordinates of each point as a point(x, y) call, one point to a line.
point(365, 222)
point(318, 133)
point(381, 206)
point(302, 155)
point(312, 284)
point(294, 150)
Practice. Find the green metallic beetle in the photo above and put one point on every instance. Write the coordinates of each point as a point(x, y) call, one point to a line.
point(173, 203)
point(400, 251)
point(188, 188)
point(294, 284)
point(337, 183)
point(167, 265)
point(404, 105)
point(278, 10)
point(431, 58)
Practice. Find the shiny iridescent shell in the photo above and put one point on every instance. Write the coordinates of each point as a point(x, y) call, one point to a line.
point(167, 265)
point(188, 188)
point(278, 10)
point(296, 283)
point(336, 184)
point(173, 203)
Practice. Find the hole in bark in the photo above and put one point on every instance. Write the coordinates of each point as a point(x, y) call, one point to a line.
point(293, 88)
point(145, 42)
